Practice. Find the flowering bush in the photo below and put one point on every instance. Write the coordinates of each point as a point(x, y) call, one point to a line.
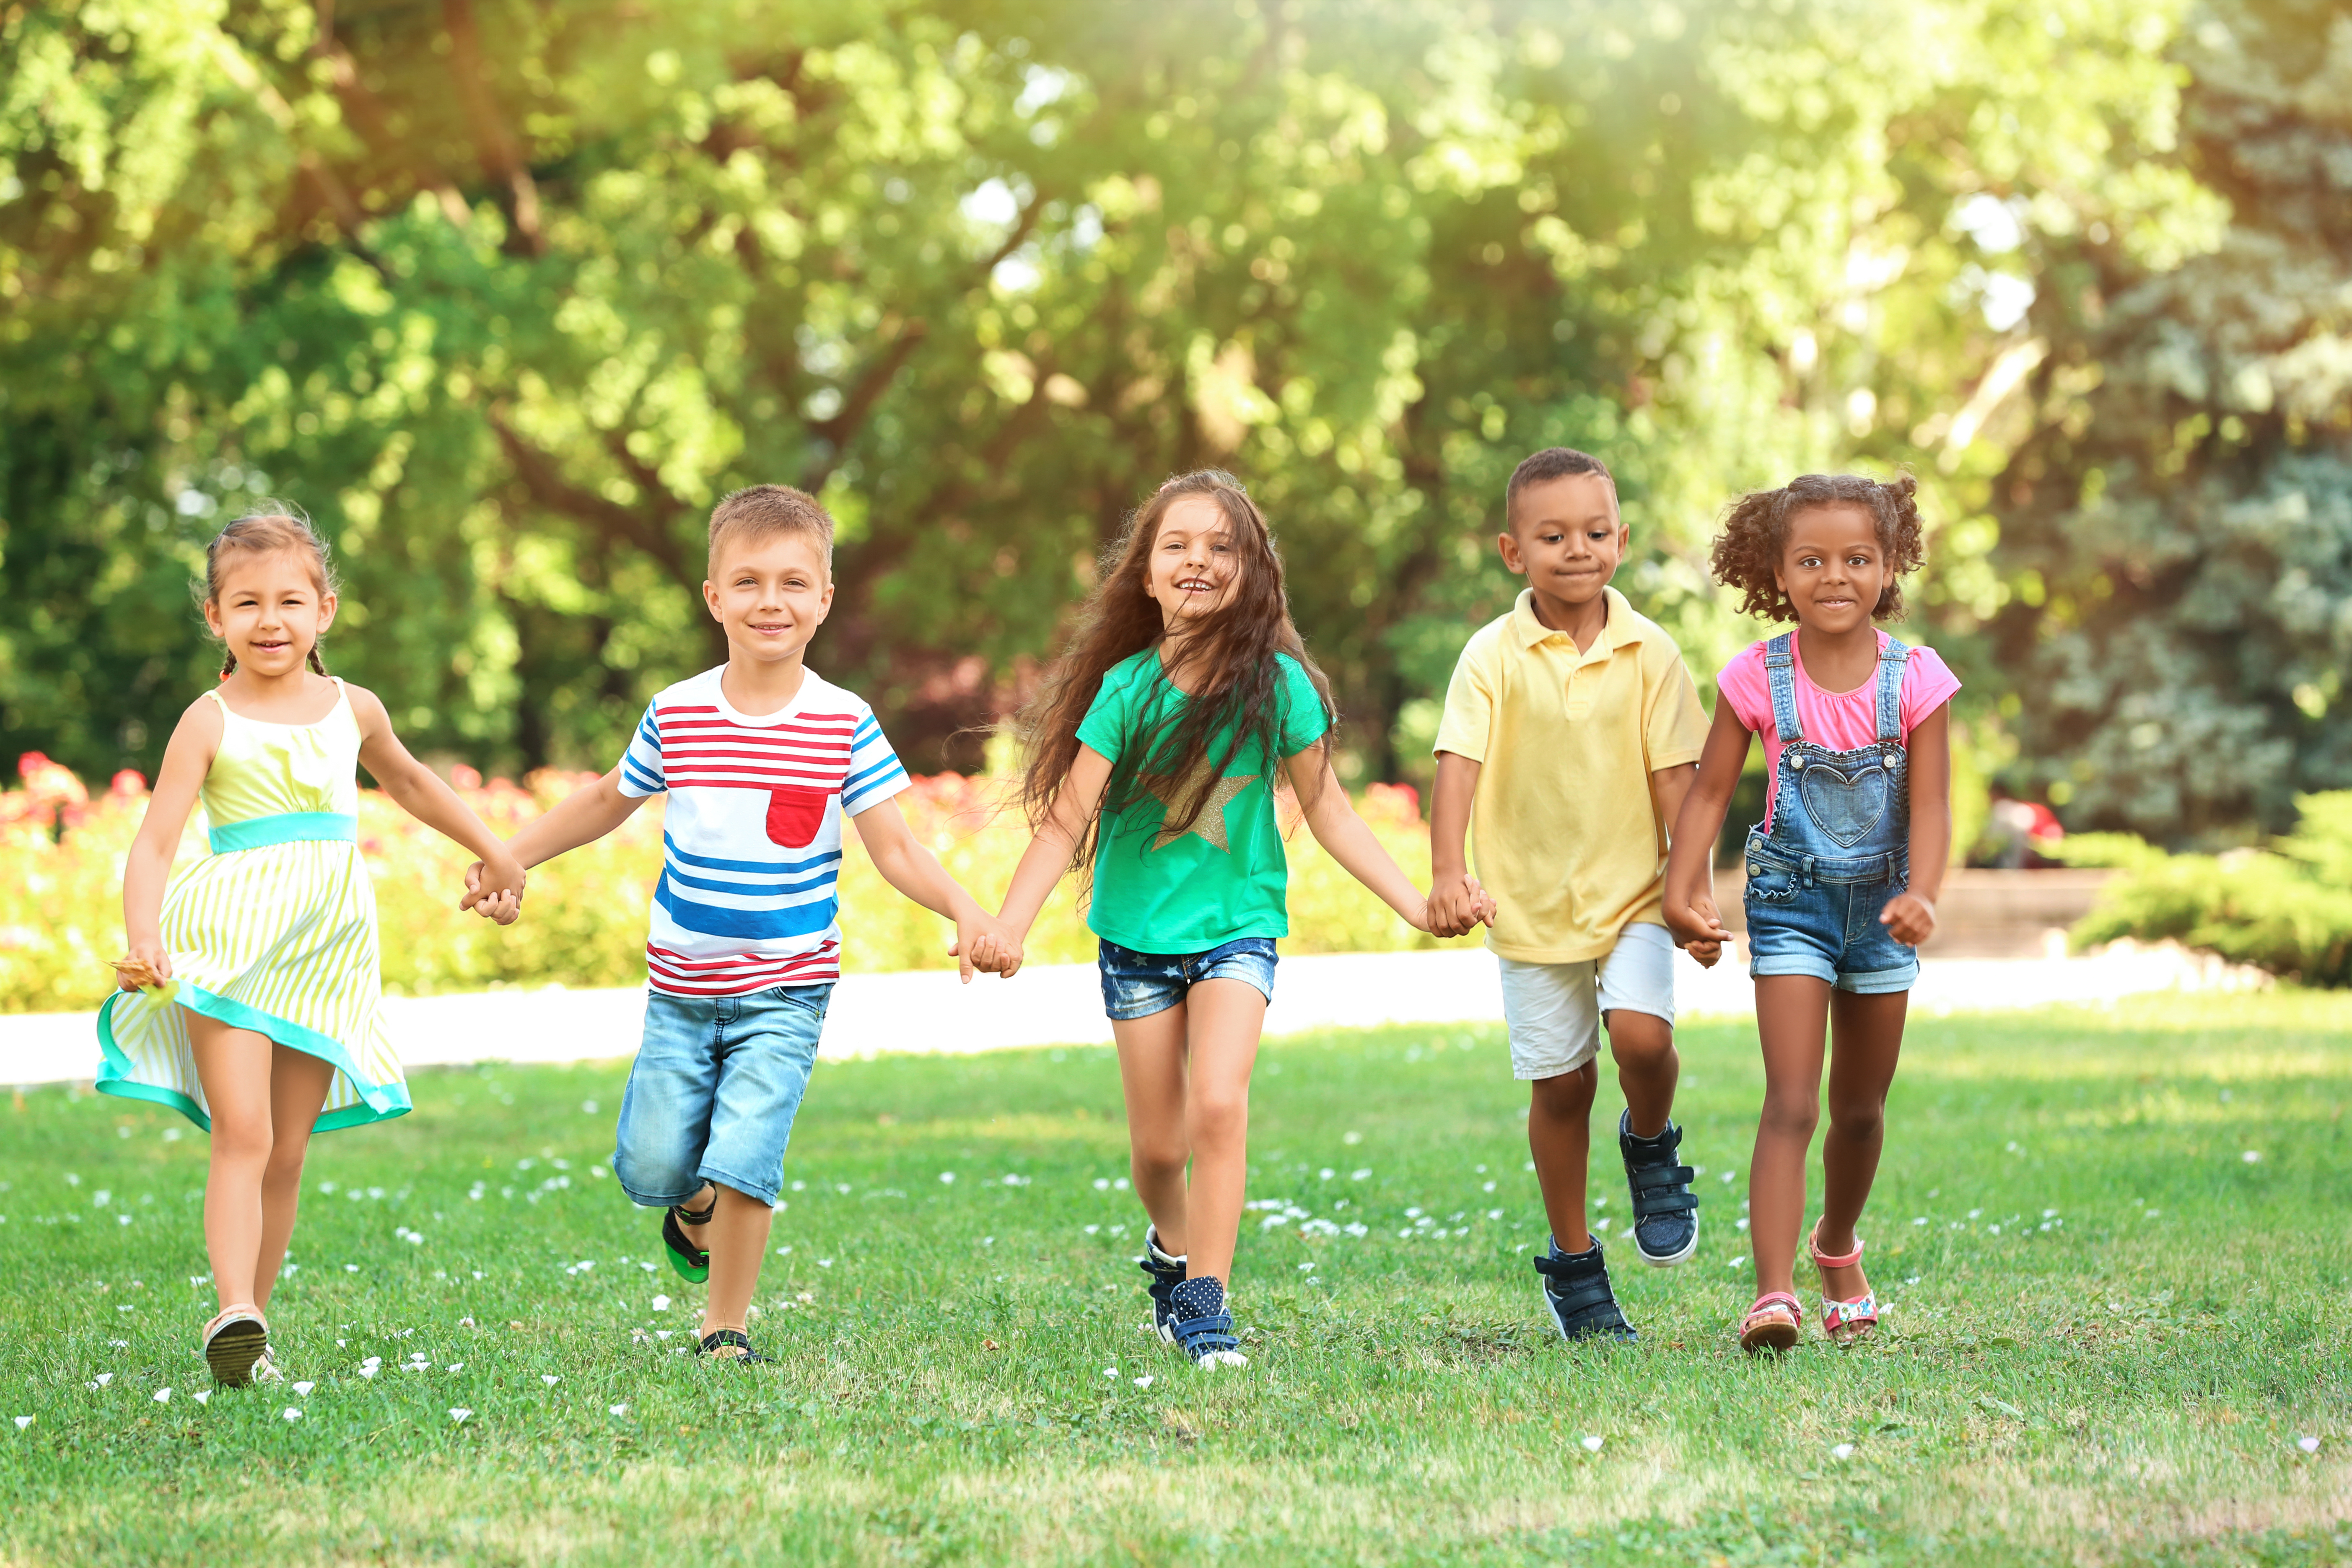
point(61, 858)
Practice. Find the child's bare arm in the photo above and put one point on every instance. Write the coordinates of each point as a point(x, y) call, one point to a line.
point(187, 757)
point(910, 867)
point(1048, 855)
point(1910, 915)
point(1455, 898)
point(417, 791)
point(1690, 909)
point(1669, 787)
point(1333, 820)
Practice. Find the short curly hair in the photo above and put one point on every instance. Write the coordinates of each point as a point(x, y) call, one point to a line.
point(1746, 553)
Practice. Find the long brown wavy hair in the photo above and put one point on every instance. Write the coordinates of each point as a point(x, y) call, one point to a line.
point(1229, 664)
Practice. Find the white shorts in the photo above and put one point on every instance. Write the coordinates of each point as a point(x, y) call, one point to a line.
point(1554, 1010)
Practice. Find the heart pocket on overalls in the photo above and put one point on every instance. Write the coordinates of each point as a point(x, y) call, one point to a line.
point(1844, 808)
point(796, 814)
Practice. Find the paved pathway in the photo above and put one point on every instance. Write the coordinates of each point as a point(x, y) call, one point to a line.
point(1062, 1004)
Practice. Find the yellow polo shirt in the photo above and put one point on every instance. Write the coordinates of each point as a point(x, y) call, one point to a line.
point(1562, 829)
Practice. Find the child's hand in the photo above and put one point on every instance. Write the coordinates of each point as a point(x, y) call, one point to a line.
point(983, 946)
point(1908, 918)
point(1455, 905)
point(147, 964)
point(1698, 924)
point(1708, 953)
point(494, 891)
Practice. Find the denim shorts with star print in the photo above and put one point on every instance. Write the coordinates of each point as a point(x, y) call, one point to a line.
point(1138, 984)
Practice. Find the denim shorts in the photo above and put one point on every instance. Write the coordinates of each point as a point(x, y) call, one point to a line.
point(1829, 930)
point(1138, 984)
point(713, 1093)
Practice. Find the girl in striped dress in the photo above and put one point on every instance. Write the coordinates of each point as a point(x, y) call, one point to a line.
point(250, 1000)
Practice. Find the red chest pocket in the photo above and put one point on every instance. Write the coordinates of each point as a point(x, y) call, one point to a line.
point(796, 814)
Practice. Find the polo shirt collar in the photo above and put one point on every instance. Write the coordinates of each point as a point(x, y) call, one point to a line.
point(1616, 634)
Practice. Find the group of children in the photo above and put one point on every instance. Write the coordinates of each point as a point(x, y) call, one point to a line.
point(1573, 751)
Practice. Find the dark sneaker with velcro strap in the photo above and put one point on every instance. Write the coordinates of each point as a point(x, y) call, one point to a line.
point(1202, 1327)
point(1666, 1211)
point(1575, 1288)
point(1167, 1272)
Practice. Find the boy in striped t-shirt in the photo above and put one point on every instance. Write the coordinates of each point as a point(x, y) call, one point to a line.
point(762, 759)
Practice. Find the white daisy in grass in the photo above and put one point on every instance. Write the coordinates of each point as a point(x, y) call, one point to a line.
point(458, 1412)
point(23, 1422)
point(824, 1263)
point(620, 1409)
point(456, 1366)
point(102, 1380)
point(1592, 1444)
point(661, 1303)
point(2252, 1157)
point(302, 1390)
point(2308, 1445)
point(1143, 1382)
point(549, 1379)
point(1842, 1451)
point(292, 1414)
point(1111, 1372)
point(202, 1397)
point(163, 1396)
point(947, 1178)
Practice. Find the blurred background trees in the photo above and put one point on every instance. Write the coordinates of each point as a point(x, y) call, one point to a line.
point(507, 295)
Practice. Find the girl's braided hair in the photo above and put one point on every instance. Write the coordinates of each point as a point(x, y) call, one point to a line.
point(1746, 553)
point(271, 527)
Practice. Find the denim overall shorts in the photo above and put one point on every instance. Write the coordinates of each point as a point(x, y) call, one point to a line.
point(1840, 845)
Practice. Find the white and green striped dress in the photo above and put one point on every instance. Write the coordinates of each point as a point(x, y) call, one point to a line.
point(273, 931)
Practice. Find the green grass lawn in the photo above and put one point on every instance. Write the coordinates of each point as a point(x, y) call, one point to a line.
point(2103, 1343)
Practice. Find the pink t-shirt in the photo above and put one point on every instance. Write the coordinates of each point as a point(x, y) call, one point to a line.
point(1841, 720)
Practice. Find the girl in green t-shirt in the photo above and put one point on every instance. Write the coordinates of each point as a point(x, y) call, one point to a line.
point(1153, 751)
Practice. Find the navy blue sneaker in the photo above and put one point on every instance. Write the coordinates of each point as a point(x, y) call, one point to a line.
point(1202, 1329)
point(1666, 1211)
point(1166, 1273)
point(1575, 1288)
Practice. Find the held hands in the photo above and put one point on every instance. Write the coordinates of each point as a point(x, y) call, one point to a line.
point(1697, 928)
point(1456, 904)
point(494, 891)
point(986, 946)
point(1908, 918)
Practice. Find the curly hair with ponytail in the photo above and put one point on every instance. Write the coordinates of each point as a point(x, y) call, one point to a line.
point(270, 528)
point(1746, 553)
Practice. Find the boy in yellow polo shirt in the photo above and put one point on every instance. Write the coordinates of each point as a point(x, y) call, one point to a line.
point(1572, 732)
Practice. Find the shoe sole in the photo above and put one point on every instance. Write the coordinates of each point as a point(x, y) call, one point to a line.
point(686, 1270)
point(1770, 1337)
point(232, 1352)
point(1628, 1337)
point(1681, 1257)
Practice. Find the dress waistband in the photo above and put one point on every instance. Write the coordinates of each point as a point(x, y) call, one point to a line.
point(286, 828)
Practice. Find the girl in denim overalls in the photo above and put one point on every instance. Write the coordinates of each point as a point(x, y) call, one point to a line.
point(1842, 872)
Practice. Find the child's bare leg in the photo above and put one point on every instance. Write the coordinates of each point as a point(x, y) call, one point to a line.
point(234, 1067)
point(1791, 1013)
point(1560, 1136)
point(737, 1240)
point(298, 1082)
point(1647, 1067)
point(1227, 1018)
point(1151, 1075)
point(1868, 1038)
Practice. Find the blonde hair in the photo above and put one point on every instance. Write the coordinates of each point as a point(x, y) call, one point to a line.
point(760, 512)
point(272, 527)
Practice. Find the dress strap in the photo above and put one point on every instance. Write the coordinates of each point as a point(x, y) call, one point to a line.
point(1892, 660)
point(1780, 673)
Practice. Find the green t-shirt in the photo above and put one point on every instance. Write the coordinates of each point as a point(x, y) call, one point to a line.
point(1225, 879)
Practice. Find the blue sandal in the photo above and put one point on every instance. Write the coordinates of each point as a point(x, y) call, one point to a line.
point(1167, 1272)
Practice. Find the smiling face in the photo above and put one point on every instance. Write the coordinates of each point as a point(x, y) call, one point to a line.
point(1566, 539)
point(770, 594)
point(1833, 567)
point(269, 611)
point(1193, 565)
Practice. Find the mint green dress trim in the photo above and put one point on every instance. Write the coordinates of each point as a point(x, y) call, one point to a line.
point(284, 827)
point(378, 1102)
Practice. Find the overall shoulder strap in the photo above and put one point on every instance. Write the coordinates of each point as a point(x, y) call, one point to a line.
point(1892, 659)
point(1780, 673)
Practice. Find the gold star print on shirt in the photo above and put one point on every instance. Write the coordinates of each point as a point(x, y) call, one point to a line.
point(1211, 824)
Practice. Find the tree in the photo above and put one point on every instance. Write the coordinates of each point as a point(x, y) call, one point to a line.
point(2179, 525)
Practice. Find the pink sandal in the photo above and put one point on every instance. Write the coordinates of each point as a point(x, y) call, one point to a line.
point(1772, 1323)
point(1853, 1319)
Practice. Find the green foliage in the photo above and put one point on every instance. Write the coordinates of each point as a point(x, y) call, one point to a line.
point(2044, 1390)
point(2287, 910)
point(2178, 529)
point(508, 294)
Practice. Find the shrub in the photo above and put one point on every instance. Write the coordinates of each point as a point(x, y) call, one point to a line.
point(61, 856)
point(2287, 909)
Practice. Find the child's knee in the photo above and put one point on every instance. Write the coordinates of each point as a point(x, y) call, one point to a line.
point(1791, 1114)
point(655, 1178)
point(1639, 1040)
point(241, 1136)
point(1569, 1094)
point(1858, 1122)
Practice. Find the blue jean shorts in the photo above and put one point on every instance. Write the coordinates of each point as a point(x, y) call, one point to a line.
point(1827, 929)
point(713, 1093)
point(1138, 984)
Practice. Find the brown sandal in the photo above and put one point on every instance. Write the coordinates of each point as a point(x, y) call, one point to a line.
point(235, 1342)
